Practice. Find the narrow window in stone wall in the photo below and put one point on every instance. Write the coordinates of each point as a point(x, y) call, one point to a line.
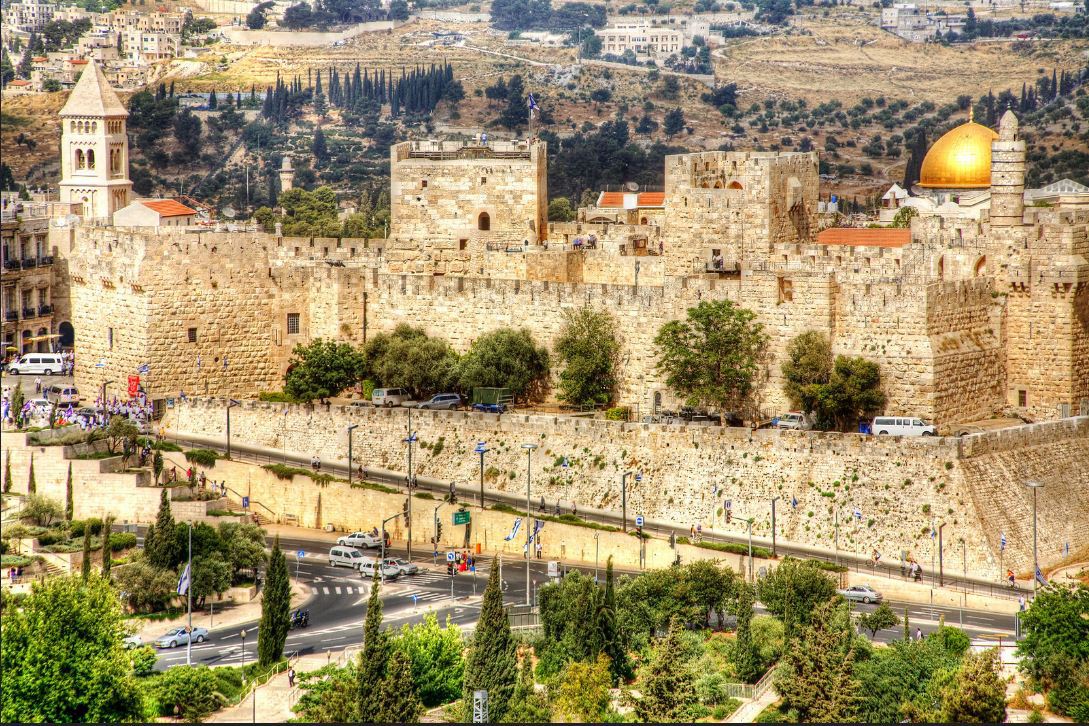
point(786, 290)
point(191, 335)
point(462, 244)
point(423, 183)
point(1022, 398)
point(109, 337)
point(292, 323)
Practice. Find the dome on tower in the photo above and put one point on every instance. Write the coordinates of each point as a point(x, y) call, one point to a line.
point(960, 159)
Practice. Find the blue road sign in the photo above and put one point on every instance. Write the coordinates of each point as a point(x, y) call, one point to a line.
point(729, 503)
point(449, 556)
point(300, 554)
point(245, 502)
point(638, 476)
point(414, 598)
point(639, 521)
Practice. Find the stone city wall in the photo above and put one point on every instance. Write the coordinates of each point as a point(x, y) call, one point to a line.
point(900, 487)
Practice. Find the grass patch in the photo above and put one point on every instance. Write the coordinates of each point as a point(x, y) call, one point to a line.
point(221, 513)
point(570, 519)
point(424, 495)
point(829, 566)
point(96, 455)
point(732, 547)
point(772, 714)
point(203, 457)
point(15, 561)
point(502, 507)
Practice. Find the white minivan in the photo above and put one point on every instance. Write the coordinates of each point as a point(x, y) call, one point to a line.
point(37, 364)
point(62, 394)
point(900, 426)
point(348, 556)
point(389, 396)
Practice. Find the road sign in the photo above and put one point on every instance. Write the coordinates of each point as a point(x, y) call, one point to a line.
point(300, 554)
point(461, 517)
point(728, 503)
point(449, 556)
point(414, 598)
point(245, 502)
point(639, 521)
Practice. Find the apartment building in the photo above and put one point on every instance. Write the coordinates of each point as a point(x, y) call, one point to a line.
point(656, 36)
point(27, 296)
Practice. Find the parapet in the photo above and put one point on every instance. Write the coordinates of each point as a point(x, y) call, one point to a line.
point(437, 150)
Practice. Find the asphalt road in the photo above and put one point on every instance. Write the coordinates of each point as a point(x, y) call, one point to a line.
point(338, 605)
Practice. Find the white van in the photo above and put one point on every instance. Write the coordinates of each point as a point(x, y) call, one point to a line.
point(348, 556)
point(389, 396)
point(62, 394)
point(899, 426)
point(37, 364)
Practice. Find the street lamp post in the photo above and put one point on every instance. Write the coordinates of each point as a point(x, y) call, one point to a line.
point(749, 522)
point(836, 518)
point(230, 404)
point(351, 428)
point(243, 634)
point(597, 550)
point(941, 564)
point(481, 449)
point(774, 551)
point(624, 495)
point(1034, 485)
point(529, 526)
point(410, 440)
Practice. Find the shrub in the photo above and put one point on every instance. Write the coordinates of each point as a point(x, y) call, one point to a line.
point(275, 397)
point(122, 541)
point(143, 661)
point(193, 690)
point(77, 526)
point(732, 547)
point(619, 413)
point(202, 457)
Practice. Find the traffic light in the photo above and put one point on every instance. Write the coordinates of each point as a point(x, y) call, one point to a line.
point(438, 532)
point(729, 516)
point(453, 494)
point(673, 540)
point(404, 509)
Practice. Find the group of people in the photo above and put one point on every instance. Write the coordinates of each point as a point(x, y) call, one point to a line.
point(463, 561)
point(589, 243)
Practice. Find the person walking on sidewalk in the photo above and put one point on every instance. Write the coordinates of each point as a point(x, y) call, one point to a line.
point(291, 678)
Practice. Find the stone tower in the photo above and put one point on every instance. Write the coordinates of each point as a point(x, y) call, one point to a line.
point(1007, 175)
point(94, 148)
point(287, 175)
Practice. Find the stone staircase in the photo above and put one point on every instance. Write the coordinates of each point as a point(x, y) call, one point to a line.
point(232, 506)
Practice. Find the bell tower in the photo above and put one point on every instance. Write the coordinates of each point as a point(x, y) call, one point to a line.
point(94, 148)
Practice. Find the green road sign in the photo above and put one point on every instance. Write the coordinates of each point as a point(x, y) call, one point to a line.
point(461, 517)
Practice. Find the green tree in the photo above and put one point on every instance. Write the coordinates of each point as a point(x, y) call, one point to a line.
point(143, 660)
point(1054, 648)
point(667, 688)
point(69, 505)
point(589, 350)
point(706, 586)
point(107, 553)
point(318, 147)
point(192, 690)
point(409, 358)
point(673, 123)
point(329, 695)
point(119, 430)
point(7, 471)
point(559, 210)
point(399, 703)
point(187, 132)
point(816, 675)
point(807, 368)
point(526, 704)
point(608, 625)
point(491, 664)
point(17, 402)
point(581, 692)
point(160, 542)
point(322, 369)
point(243, 547)
point(505, 358)
point(516, 112)
point(713, 358)
point(903, 217)
point(62, 659)
point(157, 465)
point(213, 100)
point(31, 482)
point(905, 677)
point(275, 609)
point(435, 654)
point(40, 510)
point(212, 575)
point(398, 10)
point(746, 656)
point(852, 392)
point(85, 563)
point(880, 619)
point(145, 588)
point(793, 590)
point(374, 659)
point(977, 694)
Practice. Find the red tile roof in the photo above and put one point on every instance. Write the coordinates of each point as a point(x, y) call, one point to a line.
point(78, 62)
point(865, 237)
point(645, 199)
point(19, 82)
point(39, 59)
point(169, 208)
point(652, 199)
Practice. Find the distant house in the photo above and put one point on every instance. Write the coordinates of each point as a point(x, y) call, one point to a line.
point(155, 213)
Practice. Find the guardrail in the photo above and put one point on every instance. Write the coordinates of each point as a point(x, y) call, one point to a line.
point(469, 493)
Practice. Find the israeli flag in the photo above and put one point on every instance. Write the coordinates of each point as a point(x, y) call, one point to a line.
point(1040, 577)
point(198, 362)
point(933, 533)
point(514, 530)
point(1002, 542)
point(858, 514)
point(533, 104)
point(145, 369)
point(101, 363)
point(183, 583)
point(224, 362)
point(794, 502)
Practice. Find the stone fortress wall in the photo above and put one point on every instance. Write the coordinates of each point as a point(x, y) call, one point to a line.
point(901, 487)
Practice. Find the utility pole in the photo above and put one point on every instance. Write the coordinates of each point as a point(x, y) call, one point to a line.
point(749, 522)
point(774, 551)
point(189, 599)
point(941, 564)
point(529, 523)
point(230, 404)
point(481, 449)
point(624, 495)
point(411, 482)
point(351, 428)
point(1034, 485)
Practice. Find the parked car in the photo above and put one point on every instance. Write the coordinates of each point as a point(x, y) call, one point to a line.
point(62, 394)
point(861, 593)
point(902, 426)
point(404, 566)
point(347, 556)
point(360, 539)
point(388, 572)
point(795, 420)
point(490, 407)
point(180, 636)
point(389, 397)
point(133, 641)
point(37, 364)
point(442, 402)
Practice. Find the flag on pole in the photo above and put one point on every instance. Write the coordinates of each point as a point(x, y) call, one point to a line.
point(183, 583)
point(101, 363)
point(533, 105)
point(933, 532)
point(514, 530)
point(145, 369)
point(794, 502)
point(198, 362)
point(1002, 542)
point(858, 514)
point(1040, 577)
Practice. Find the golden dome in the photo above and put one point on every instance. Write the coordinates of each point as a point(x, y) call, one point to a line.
point(960, 159)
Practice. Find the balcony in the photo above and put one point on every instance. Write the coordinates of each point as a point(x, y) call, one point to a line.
point(45, 261)
point(11, 264)
point(44, 310)
point(29, 313)
point(11, 315)
point(29, 263)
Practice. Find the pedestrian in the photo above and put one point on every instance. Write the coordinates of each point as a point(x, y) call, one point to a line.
point(876, 557)
point(539, 548)
point(918, 633)
point(38, 384)
point(1021, 602)
point(692, 532)
point(575, 508)
point(291, 678)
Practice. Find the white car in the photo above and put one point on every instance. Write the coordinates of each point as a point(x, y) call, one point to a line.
point(180, 636)
point(861, 593)
point(795, 420)
point(360, 539)
point(366, 569)
point(132, 641)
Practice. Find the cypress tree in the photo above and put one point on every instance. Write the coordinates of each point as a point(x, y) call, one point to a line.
point(86, 552)
point(317, 86)
point(399, 703)
point(157, 465)
point(17, 402)
point(492, 663)
point(7, 472)
point(667, 689)
point(746, 660)
point(161, 548)
point(172, 89)
point(907, 625)
point(213, 102)
point(238, 99)
point(31, 485)
point(68, 504)
point(610, 631)
point(816, 674)
point(107, 553)
point(320, 151)
point(374, 660)
point(275, 609)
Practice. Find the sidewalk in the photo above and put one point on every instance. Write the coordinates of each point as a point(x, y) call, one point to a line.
point(273, 700)
point(231, 614)
point(751, 709)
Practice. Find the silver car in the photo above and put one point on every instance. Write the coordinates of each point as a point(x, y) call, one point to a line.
point(132, 641)
point(360, 539)
point(180, 636)
point(861, 593)
point(404, 566)
point(442, 402)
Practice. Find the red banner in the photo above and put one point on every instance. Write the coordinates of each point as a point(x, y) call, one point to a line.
point(134, 386)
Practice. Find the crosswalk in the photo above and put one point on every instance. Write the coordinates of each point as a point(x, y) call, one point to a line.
point(423, 577)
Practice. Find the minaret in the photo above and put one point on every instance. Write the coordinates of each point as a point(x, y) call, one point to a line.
point(1007, 175)
point(94, 148)
point(287, 175)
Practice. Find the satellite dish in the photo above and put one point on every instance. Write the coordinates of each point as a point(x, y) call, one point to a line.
point(631, 186)
point(229, 213)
